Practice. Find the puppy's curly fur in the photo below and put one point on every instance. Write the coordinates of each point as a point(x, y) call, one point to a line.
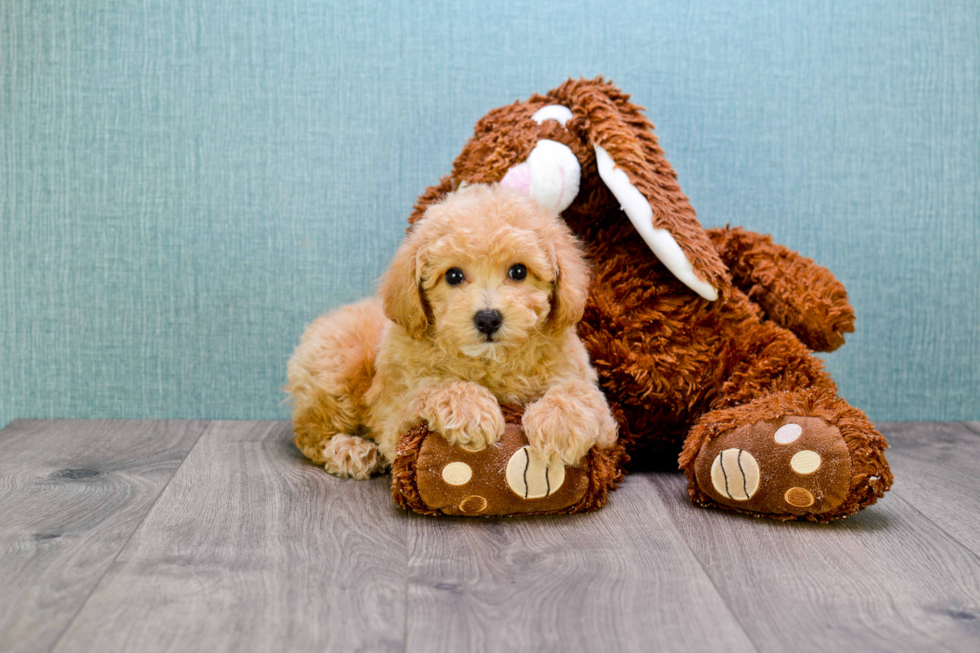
point(365, 373)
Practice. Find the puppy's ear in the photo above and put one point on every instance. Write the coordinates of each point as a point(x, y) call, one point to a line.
point(572, 275)
point(634, 168)
point(401, 288)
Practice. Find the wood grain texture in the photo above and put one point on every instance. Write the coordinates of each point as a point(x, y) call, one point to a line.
point(71, 495)
point(936, 464)
point(251, 548)
point(889, 578)
point(620, 579)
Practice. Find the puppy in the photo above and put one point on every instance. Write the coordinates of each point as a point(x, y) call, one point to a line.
point(478, 308)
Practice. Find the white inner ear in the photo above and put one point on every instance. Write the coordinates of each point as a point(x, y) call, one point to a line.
point(555, 174)
point(660, 241)
point(551, 175)
point(552, 112)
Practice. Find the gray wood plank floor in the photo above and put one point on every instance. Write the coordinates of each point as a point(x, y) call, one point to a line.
point(71, 496)
point(182, 536)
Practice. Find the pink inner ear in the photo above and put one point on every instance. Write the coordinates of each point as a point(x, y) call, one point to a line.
point(518, 178)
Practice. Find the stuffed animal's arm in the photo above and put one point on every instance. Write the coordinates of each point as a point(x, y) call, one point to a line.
point(794, 292)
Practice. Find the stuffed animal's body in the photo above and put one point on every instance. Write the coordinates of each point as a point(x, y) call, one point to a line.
point(702, 339)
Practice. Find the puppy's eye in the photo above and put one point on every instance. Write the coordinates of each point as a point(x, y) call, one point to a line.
point(454, 276)
point(517, 272)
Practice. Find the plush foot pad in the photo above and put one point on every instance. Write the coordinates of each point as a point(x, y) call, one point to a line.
point(432, 476)
point(788, 466)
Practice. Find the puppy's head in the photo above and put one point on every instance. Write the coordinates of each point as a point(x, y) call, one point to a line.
point(485, 271)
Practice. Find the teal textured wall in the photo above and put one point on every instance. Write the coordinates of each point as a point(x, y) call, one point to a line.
point(183, 186)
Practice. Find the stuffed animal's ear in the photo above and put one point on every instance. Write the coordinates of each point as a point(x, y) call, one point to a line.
point(401, 288)
point(572, 274)
point(550, 175)
point(632, 165)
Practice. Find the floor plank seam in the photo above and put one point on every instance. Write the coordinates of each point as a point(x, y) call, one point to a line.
point(939, 528)
point(704, 571)
point(408, 578)
point(972, 427)
point(204, 428)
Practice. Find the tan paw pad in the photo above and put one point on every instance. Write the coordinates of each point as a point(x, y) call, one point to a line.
point(457, 473)
point(805, 462)
point(735, 474)
point(798, 497)
point(473, 505)
point(530, 476)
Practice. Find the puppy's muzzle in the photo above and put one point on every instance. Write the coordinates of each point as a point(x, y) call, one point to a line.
point(488, 322)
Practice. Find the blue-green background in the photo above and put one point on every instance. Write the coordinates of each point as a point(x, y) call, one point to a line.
point(185, 185)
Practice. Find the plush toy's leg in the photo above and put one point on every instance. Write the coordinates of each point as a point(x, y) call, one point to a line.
point(329, 374)
point(434, 477)
point(794, 450)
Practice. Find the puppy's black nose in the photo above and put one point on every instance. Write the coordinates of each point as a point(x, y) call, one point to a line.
point(488, 321)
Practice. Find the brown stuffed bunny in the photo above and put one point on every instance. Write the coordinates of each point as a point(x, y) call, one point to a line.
point(702, 339)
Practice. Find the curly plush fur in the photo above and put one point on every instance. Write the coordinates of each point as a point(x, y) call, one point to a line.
point(368, 372)
point(680, 369)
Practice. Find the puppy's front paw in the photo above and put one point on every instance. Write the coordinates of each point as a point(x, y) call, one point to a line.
point(562, 426)
point(465, 414)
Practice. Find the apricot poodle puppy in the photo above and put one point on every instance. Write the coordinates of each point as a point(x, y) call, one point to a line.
point(478, 308)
